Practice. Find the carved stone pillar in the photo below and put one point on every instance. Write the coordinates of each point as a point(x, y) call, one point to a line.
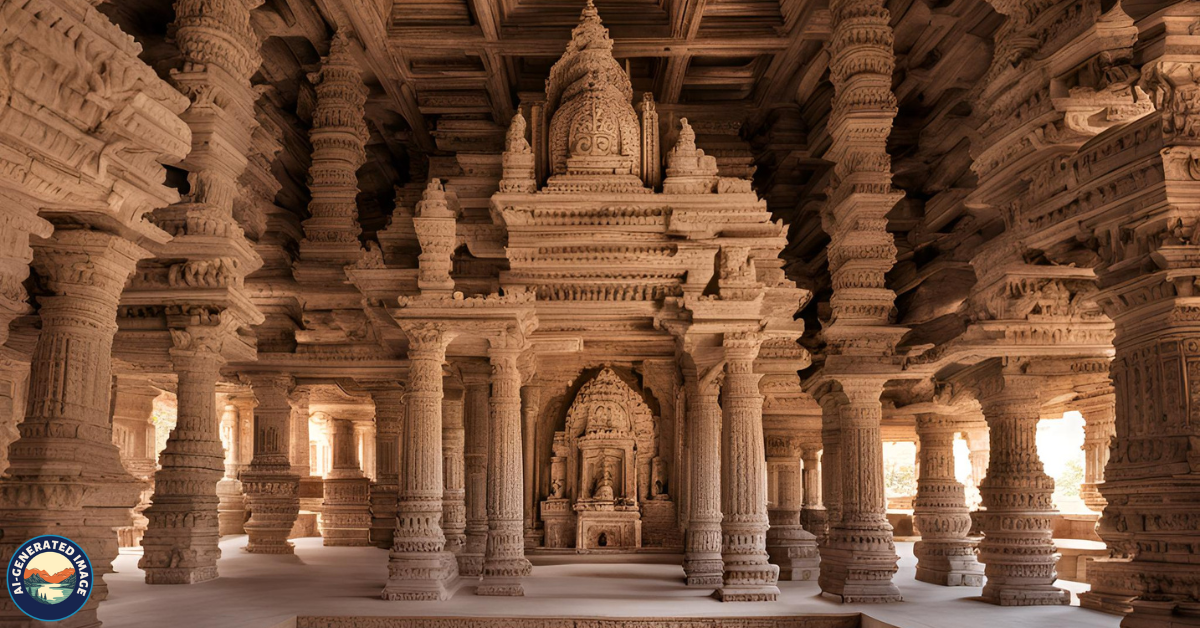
point(980, 448)
point(859, 557)
point(272, 488)
point(338, 136)
point(364, 442)
point(419, 567)
point(1099, 428)
point(346, 513)
point(389, 423)
point(477, 436)
point(812, 512)
point(748, 576)
point(231, 500)
point(133, 434)
point(454, 509)
point(504, 562)
point(531, 400)
point(65, 474)
point(944, 554)
point(1017, 548)
point(298, 452)
point(702, 543)
point(792, 548)
point(181, 542)
point(831, 463)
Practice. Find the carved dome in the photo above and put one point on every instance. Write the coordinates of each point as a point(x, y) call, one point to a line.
point(594, 130)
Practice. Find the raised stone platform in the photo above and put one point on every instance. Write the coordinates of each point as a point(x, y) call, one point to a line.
point(850, 620)
point(565, 590)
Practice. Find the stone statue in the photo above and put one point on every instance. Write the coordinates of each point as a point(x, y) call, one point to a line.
point(604, 485)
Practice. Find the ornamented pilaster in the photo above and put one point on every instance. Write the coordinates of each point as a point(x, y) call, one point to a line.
point(748, 576)
point(477, 437)
point(812, 514)
point(702, 543)
point(859, 557)
point(1099, 428)
point(346, 514)
point(389, 424)
point(504, 562)
point(1017, 547)
point(65, 474)
point(133, 434)
point(181, 542)
point(944, 554)
point(792, 548)
point(272, 487)
point(419, 568)
point(454, 509)
point(338, 136)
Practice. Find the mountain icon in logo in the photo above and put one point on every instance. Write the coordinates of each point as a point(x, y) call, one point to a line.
point(49, 578)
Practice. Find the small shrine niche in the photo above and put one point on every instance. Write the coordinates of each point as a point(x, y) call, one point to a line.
point(604, 470)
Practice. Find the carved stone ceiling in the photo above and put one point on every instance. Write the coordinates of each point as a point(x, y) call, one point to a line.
point(445, 76)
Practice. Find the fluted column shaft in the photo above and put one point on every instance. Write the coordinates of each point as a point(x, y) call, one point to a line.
point(748, 576)
point(702, 544)
point(272, 487)
point(181, 541)
point(475, 418)
point(504, 562)
point(419, 568)
point(860, 558)
point(1017, 548)
point(944, 554)
point(454, 510)
point(389, 423)
point(345, 513)
point(65, 447)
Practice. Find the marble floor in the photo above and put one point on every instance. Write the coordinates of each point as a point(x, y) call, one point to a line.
point(256, 591)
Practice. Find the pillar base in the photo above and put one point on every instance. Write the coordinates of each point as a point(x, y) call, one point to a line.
point(503, 577)
point(181, 576)
point(749, 583)
point(704, 572)
point(702, 563)
point(1031, 595)
point(421, 576)
point(231, 509)
point(383, 514)
point(1107, 595)
point(794, 551)
point(346, 516)
point(274, 500)
point(470, 560)
point(510, 587)
point(949, 563)
point(857, 567)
